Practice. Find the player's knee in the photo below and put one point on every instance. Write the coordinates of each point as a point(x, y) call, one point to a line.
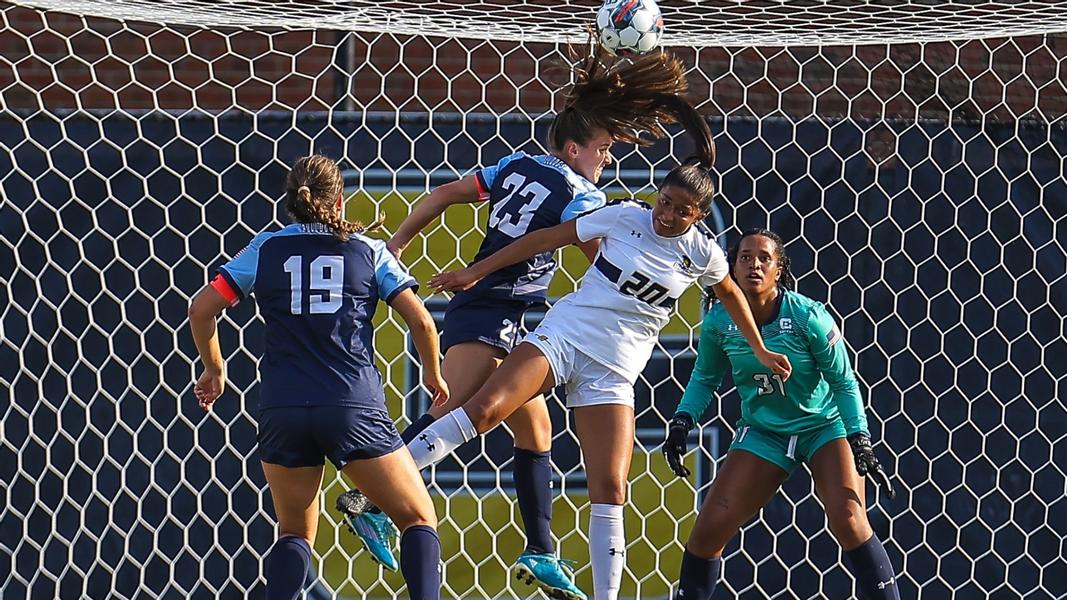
point(607, 491)
point(486, 413)
point(715, 527)
point(848, 522)
point(412, 516)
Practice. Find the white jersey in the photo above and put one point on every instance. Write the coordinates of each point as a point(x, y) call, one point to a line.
point(626, 298)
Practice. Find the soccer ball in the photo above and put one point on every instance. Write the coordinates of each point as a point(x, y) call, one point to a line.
point(629, 26)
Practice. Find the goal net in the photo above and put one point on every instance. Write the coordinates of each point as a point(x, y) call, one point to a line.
point(911, 153)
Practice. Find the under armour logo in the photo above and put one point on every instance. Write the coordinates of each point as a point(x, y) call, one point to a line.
point(426, 440)
point(635, 233)
point(883, 584)
point(615, 552)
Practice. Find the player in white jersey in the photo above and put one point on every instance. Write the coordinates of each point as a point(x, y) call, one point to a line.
point(597, 340)
point(610, 100)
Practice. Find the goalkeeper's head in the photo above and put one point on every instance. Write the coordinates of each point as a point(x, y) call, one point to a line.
point(759, 263)
point(314, 193)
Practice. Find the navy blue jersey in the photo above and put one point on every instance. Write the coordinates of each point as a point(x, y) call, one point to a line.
point(527, 193)
point(317, 295)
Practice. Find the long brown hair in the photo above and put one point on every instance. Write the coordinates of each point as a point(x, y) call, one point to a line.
point(311, 191)
point(694, 173)
point(624, 97)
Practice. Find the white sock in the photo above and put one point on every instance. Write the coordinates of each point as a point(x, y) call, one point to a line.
point(607, 550)
point(441, 438)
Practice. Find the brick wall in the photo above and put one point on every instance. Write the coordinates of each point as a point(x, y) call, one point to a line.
point(53, 61)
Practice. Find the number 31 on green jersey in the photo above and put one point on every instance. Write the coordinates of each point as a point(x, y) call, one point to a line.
point(767, 382)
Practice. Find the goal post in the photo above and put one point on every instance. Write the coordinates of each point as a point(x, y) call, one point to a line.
point(911, 154)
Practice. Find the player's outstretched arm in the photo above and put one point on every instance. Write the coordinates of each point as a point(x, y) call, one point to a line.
point(203, 310)
point(733, 300)
point(456, 192)
point(529, 245)
point(424, 335)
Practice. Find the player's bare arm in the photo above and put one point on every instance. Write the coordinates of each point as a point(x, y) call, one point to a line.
point(204, 309)
point(531, 244)
point(424, 336)
point(734, 301)
point(456, 192)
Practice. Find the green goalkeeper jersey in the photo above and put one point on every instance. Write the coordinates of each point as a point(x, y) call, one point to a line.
point(820, 389)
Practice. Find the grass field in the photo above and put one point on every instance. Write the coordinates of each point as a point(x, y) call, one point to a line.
point(481, 536)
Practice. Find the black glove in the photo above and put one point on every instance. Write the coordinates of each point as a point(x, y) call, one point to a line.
point(674, 447)
point(867, 463)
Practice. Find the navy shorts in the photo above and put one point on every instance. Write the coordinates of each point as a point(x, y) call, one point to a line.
point(494, 322)
point(301, 436)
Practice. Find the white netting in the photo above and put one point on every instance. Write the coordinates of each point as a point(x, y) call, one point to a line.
point(921, 185)
point(690, 22)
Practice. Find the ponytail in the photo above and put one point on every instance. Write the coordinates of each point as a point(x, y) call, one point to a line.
point(311, 190)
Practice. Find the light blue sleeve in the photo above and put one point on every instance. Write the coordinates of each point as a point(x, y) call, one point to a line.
point(487, 175)
point(583, 203)
point(240, 271)
point(391, 276)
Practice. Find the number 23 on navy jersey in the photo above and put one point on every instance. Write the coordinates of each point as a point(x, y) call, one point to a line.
point(527, 193)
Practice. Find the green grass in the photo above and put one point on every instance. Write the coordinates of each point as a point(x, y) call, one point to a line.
point(481, 536)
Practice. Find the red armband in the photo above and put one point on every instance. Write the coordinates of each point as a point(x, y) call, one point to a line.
point(223, 287)
point(483, 194)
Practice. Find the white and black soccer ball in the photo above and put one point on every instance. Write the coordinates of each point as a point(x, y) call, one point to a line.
point(629, 26)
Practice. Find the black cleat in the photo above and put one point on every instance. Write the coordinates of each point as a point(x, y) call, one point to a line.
point(352, 504)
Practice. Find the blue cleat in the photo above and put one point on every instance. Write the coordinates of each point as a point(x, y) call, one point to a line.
point(553, 575)
point(375, 529)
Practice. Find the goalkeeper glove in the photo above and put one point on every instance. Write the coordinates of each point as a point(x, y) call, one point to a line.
point(674, 447)
point(867, 463)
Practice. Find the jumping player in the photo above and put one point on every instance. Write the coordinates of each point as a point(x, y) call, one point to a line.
point(610, 101)
point(318, 283)
point(816, 417)
point(597, 340)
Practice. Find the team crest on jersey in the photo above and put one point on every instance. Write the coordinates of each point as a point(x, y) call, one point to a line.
point(685, 265)
point(785, 324)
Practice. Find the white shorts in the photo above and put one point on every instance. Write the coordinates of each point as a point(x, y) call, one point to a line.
point(586, 381)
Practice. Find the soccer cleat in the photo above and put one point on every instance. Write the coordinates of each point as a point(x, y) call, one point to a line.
point(353, 503)
point(553, 575)
point(375, 530)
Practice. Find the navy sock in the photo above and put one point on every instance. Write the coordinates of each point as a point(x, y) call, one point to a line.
point(416, 427)
point(420, 562)
point(874, 574)
point(533, 486)
point(287, 567)
point(698, 578)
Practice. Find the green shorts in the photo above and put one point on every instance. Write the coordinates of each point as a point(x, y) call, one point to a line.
point(786, 451)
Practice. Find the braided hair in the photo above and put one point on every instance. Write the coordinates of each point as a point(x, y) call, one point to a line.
point(311, 191)
point(785, 278)
point(624, 97)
